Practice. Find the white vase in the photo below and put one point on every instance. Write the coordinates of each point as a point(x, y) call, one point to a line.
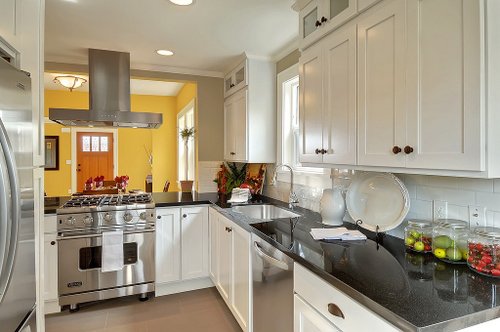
point(332, 207)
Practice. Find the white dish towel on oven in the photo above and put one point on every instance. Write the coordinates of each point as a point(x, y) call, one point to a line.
point(112, 251)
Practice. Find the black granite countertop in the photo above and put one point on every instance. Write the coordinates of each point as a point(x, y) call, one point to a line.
point(414, 292)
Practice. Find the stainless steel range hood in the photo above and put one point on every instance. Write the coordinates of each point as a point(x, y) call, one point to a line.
point(109, 86)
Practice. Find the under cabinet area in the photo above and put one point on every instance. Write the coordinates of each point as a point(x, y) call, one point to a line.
point(250, 112)
point(230, 267)
point(318, 306)
point(182, 247)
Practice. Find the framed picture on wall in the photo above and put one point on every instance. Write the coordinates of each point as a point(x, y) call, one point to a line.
point(51, 153)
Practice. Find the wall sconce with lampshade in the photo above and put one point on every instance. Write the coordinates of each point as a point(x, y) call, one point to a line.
point(70, 81)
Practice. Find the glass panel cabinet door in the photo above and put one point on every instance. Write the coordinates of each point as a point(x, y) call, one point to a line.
point(309, 22)
point(239, 76)
point(337, 7)
point(228, 83)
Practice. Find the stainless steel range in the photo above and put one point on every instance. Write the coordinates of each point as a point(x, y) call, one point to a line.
point(81, 223)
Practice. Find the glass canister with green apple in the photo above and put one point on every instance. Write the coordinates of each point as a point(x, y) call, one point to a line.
point(449, 240)
point(418, 235)
point(484, 251)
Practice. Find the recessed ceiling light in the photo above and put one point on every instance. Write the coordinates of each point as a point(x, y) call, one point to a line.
point(182, 2)
point(165, 52)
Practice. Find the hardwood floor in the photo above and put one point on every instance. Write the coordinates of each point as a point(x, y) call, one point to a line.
point(201, 310)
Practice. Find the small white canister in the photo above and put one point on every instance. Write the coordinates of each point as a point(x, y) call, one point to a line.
point(332, 207)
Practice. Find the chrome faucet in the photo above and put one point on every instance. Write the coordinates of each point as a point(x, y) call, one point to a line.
point(292, 199)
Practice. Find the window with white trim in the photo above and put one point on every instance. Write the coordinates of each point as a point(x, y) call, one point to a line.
point(186, 164)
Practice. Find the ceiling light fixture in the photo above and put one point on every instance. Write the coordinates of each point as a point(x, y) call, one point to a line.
point(70, 81)
point(164, 52)
point(182, 2)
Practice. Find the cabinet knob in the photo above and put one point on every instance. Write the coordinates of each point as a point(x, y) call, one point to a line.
point(323, 151)
point(396, 149)
point(184, 216)
point(317, 24)
point(158, 217)
point(335, 310)
point(323, 19)
point(317, 151)
point(229, 229)
point(231, 86)
point(53, 243)
point(408, 149)
point(232, 153)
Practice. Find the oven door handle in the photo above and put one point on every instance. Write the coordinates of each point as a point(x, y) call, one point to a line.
point(71, 237)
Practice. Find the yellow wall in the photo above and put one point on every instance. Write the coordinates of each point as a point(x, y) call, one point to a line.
point(187, 93)
point(132, 143)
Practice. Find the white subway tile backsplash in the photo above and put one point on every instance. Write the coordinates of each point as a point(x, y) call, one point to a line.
point(485, 185)
point(490, 200)
point(420, 209)
point(453, 196)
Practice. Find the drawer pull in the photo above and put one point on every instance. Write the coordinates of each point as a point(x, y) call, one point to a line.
point(335, 310)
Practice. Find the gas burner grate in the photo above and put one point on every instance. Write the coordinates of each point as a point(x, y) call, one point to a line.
point(127, 199)
point(83, 201)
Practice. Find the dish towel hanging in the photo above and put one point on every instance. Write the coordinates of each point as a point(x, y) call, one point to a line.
point(112, 251)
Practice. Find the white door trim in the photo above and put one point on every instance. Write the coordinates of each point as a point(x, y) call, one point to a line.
point(74, 131)
point(191, 104)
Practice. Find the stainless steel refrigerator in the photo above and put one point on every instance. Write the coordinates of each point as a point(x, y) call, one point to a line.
point(17, 236)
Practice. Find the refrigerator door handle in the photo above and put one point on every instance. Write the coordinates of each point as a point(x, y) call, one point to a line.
point(13, 227)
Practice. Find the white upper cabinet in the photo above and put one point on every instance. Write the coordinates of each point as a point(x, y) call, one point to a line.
point(8, 21)
point(381, 86)
point(328, 99)
point(250, 113)
point(322, 16)
point(444, 85)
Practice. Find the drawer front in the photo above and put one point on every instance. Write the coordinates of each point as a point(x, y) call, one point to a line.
point(50, 224)
point(328, 300)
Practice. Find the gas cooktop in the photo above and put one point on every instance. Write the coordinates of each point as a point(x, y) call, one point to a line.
point(89, 203)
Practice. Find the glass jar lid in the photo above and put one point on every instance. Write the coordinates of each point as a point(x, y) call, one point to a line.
point(451, 223)
point(419, 223)
point(488, 232)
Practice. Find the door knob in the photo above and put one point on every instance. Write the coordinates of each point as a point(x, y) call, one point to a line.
point(408, 149)
point(323, 19)
point(396, 149)
point(53, 243)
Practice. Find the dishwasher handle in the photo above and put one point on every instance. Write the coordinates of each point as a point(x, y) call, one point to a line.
point(271, 260)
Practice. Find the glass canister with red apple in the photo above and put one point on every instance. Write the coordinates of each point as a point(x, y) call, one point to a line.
point(449, 240)
point(418, 235)
point(484, 251)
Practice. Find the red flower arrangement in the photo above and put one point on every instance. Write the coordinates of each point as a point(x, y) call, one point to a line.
point(121, 181)
point(99, 181)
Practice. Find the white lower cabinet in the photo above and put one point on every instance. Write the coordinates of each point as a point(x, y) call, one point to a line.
point(51, 295)
point(181, 255)
point(306, 319)
point(230, 266)
point(329, 303)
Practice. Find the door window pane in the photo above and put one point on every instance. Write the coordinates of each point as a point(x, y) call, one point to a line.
point(86, 143)
point(95, 143)
point(104, 144)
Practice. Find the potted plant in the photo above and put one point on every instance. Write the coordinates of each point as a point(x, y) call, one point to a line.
point(186, 134)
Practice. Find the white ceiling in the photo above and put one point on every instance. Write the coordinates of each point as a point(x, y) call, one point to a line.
point(206, 37)
point(137, 87)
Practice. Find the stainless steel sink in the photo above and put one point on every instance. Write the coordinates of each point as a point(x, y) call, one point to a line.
point(265, 212)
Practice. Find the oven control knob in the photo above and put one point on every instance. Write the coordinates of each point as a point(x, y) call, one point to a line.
point(128, 217)
point(107, 217)
point(87, 220)
point(142, 216)
point(70, 221)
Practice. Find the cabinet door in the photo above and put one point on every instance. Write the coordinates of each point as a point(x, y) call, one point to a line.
point(339, 115)
point(240, 299)
point(213, 219)
point(338, 12)
point(311, 105)
point(229, 130)
point(194, 243)
point(236, 130)
point(50, 261)
point(306, 319)
point(309, 18)
point(8, 20)
point(224, 257)
point(444, 82)
point(168, 241)
point(381, 86)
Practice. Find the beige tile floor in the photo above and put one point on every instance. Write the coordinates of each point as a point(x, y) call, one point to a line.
point(200, 310)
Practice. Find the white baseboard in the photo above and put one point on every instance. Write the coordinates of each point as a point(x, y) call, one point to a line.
point(182, 286)
point(52, 307)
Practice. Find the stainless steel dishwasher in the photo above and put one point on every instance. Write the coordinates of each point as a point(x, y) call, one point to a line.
point(272, 273)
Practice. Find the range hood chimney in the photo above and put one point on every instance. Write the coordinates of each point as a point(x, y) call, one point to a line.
point(109, 86)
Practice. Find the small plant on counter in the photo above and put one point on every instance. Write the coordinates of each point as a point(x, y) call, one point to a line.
point(88, 184)
point(99, 181)
point(121, 182)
